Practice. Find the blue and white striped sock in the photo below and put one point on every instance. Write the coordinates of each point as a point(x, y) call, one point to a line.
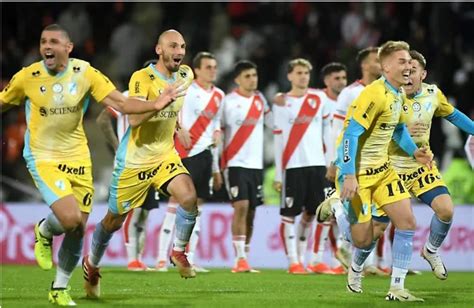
point(402, 249)
point(184, 227)
point(100, 241)
point(68, 257)
point(438, 231)
point(359, 256)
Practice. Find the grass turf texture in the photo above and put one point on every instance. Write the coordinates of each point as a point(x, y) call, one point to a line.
point(27, 286)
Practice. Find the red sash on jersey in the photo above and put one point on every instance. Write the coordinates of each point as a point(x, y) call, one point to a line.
point(244, 131)
point(201, 124)
point(308, 110)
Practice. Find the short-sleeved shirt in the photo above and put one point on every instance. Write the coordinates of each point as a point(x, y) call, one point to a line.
point(420, 109)
point(152, 141)
point(378, 109)
point(55, 106)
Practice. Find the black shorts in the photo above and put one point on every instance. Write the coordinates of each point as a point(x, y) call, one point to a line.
point(302, 188)
point(151, 200)
point(245, 184)
point(200, 169)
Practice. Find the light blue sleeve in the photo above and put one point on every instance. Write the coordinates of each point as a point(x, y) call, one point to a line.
point(349, 144)
point(461, 121)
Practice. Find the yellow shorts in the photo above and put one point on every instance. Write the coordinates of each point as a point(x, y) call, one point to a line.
point(56, 180)
point(421, 180)
point(375, 191)
point(129, 186)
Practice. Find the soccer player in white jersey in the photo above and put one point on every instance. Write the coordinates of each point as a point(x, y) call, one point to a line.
point(370, 70)
point(424, 102)
point(56, 93)
point(134, 229)
point(196, 142)
point(334, 76)
point(243, 113)
point(302, 125)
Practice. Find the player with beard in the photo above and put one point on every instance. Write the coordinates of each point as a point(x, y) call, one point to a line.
point(56, 92)
point(147, 157)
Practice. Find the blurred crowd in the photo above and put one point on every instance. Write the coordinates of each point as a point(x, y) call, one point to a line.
point(117, 37)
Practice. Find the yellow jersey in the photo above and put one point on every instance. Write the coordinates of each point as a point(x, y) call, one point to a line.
point(151, 141)
point(378, 109)
point(420, 109)
point(55, 106)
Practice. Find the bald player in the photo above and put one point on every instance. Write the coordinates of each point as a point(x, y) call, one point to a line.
point(147, 157)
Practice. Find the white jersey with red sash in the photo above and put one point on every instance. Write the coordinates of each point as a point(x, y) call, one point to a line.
point(302, 123)
point(242, 120)
point(200, 115)
point(122, 120)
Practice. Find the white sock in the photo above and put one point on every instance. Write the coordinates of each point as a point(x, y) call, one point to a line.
point(62, 278)
point(130, 234)
point(398, 278)
point(141, 228)
point(239, 246)
point(320, 239)
point(193, 240)
point(166, 232)
point(289, 238)
point(303, 233)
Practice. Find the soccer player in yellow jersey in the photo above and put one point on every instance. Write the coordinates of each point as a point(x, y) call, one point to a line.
point(56, 92)
point(367, 182)
point(423, 102)
point(146, 156)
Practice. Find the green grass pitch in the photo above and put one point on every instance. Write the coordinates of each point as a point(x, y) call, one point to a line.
point(27, 286)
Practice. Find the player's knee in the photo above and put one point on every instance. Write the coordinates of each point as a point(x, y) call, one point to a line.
point(189, 201)
point(72, 222)
point(445, 213)
point(112, 223)
point(362, 243)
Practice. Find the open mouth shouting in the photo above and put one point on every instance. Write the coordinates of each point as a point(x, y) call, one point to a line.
point(49, 59)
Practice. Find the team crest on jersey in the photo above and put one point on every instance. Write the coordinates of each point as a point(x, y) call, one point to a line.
point(60, 184)
point(217, 101)
point(76, 69)
point(416, 107)
point(36, 73)
point(289, 202)
point(312, 103)
point(57, 88)
point(234, 191)
point(258, 104)
point(126, 206)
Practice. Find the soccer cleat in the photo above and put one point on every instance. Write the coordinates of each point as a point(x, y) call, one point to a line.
point(60, 296)
point(161, 266)
point(437, 265)
point(178, 259)
point(43, 249)
point(373, 270)
point(199, 269)
point(242, 266)
point(325, 209)
point(344, 256)
point(136, 266)
point(339, 270)
point(92, 279)
point(402, 295)
point(297, 269)
point(386, 270)
point(354, 281)
point(320, 268)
